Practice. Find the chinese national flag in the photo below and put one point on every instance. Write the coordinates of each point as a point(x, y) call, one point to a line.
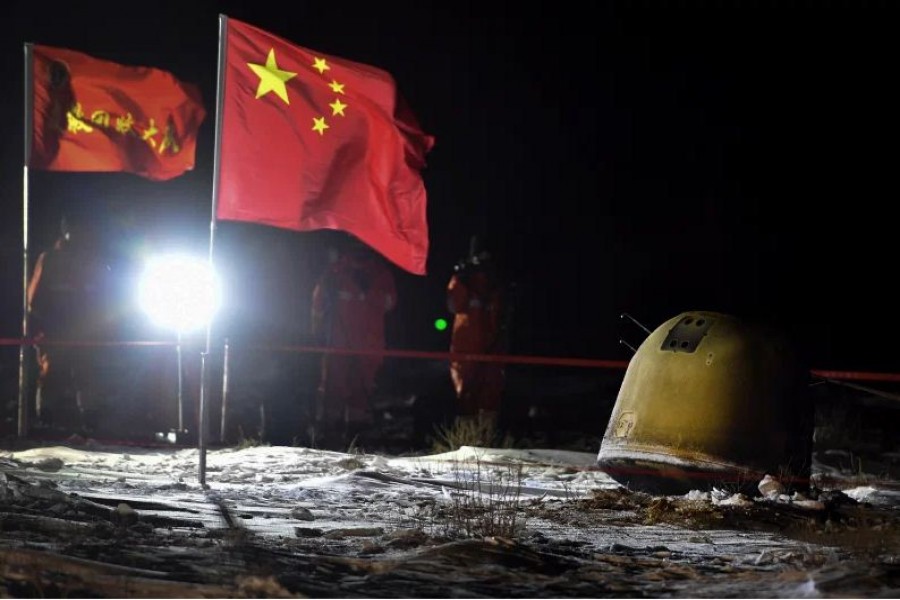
point(312, 141)
point(96, 115)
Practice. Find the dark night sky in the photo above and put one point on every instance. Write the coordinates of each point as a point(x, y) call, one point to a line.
point(647, 158)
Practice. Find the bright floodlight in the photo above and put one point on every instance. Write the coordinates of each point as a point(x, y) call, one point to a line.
point(179, 292)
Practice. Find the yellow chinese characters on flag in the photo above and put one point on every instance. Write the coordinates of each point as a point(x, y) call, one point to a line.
point(96, 115)
point(314, 141)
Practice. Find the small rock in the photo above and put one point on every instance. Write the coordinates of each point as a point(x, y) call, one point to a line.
point(770, 487)
point(307, 532)
point(124, 515)
point(50, 465)
point(302, 514)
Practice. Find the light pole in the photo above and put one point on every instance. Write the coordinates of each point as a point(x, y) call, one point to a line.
point(180, 293)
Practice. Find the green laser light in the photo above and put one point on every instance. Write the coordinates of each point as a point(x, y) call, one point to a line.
point(440, 324)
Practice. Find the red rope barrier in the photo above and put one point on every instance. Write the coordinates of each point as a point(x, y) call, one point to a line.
point(446, 356)
point(856, 375)
point(80, 344)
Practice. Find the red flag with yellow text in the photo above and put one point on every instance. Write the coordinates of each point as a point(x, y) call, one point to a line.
point(313, 141)
point(100, 116)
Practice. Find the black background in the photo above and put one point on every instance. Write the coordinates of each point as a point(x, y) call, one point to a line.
point(647, 158)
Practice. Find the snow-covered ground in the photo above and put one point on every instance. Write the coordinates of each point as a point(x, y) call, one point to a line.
point(332, 501)
point(327, 483)
point(281, 471)
point(342, 489)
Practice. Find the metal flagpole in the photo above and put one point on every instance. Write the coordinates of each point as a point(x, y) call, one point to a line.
point(180, 385)
point(22, 429)
point(204, 384)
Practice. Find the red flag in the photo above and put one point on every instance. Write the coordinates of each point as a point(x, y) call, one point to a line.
point(312, 141)
point(96, 115)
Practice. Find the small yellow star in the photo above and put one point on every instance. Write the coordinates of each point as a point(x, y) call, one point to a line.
point(337, 107)
point(319, 125)
point(337, 88)
point(271, 78)
point(320, 65)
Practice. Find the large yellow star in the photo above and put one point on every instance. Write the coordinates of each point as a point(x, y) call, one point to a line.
point(319, 125)
point(337, 88)
point(271, 78)
point(337, 107)
point(320, 65)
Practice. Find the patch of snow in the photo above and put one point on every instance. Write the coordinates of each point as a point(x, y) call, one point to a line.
point(733, 500)
point(881, 496)
point(697, 495)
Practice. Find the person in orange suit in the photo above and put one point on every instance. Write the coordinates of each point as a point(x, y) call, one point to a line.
point(68, 298)
point(476, 297)
point(349, 306)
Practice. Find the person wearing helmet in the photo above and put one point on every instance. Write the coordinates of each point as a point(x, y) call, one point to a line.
point(477, 299)
point(349, 305)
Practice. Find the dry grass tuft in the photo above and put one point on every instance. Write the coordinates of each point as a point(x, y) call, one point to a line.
point(479, 431)
point(486, 502)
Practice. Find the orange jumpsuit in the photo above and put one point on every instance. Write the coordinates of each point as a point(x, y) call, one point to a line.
point(477, 303)
point(349, 306)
